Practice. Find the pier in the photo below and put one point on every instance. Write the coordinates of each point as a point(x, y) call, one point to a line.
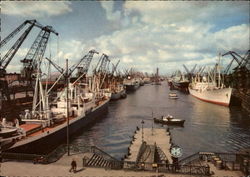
point(149, 146)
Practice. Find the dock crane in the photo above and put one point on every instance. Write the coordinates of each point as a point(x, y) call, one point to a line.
point(241, 61)
point(4, 62)
point(35, 54)
point(101, 69)
point(114, 68)
point(82, 65)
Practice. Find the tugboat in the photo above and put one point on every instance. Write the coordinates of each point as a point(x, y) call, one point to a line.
point(169, 120)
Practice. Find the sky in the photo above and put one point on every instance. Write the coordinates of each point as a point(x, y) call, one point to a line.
point(143, 35)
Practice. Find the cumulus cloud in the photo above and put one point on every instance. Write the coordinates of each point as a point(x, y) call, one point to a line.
point(168, 34)
point(165, 47)
point(162, 12)
point(165, 34)
point(110, 14)
point(35, 8)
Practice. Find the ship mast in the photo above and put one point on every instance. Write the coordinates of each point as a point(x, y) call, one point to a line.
point(218, 68)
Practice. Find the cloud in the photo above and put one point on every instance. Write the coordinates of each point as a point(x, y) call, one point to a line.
point(35, 8)
point(162, 12)
point(147, 45)
point(110, 14)
point(164, 34)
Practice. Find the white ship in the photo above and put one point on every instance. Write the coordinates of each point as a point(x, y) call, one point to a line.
point(210, 88)
point(210, 93)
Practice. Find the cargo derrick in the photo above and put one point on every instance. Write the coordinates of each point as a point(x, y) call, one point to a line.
point(101, 71)
point(114, 80)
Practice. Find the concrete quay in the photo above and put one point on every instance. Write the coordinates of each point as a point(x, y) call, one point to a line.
point(160, 137)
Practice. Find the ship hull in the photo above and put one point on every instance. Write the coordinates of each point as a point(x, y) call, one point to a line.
point(117, 95)
point(132, 87)
point(48, 141)
point(218, 96)
point(182, 86)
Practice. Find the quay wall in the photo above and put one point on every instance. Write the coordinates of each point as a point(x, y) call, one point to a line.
point(244, 96)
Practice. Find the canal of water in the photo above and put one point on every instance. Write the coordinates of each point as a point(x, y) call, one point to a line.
point(208, 127)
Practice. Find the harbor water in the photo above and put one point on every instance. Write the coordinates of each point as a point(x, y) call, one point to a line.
point(208, 127)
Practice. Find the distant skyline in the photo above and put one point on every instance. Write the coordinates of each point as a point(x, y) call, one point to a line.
point(142, 34)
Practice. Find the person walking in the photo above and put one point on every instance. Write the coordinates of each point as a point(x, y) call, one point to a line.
point(73, 166)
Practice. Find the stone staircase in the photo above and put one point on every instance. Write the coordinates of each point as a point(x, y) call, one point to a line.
point(161, 156)
point(96, 160)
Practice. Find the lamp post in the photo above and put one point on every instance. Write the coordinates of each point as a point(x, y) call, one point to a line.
point(67, 104)
point(142, 138)
point(152, 123)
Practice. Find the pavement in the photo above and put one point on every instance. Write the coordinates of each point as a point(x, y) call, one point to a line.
point(61, 168)
point(25, 169)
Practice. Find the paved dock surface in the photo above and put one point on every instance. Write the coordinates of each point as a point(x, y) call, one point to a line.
point(19, 169)
point(151, 136)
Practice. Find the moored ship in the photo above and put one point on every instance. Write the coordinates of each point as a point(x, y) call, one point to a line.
point(118, 92)
point(180, 83)
point(210, 93)
point(43, 131)
point(210, 88)
point(131, 84)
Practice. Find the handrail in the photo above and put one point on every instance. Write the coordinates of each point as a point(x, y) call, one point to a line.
point(141, 151)
point(168, 168)
point(104, 153)
point(191, 157)
point(197, 155)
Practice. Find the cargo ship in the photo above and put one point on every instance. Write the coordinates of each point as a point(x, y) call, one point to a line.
point(131, 84)
point(209, 92)
point(180, 83)
point(210, 87)
point(118, 92)
point(44, 130)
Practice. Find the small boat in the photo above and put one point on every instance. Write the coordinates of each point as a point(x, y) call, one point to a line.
point(173, 96)
point(169, 120)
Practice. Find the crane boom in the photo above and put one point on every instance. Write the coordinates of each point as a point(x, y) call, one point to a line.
point(186, 69)
point(10, 54)
point(84, 63)
point(59, 68)
point(36, 52)
point(18, 29)
point(114, 67)
point(12, 34)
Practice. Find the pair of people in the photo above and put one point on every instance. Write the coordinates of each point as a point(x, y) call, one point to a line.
point(73, 166)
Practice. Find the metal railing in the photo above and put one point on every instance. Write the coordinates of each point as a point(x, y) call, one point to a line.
point(56, 154)
point(167, 168)
point(141, 151)
point(115, 163)
point(230, 161)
